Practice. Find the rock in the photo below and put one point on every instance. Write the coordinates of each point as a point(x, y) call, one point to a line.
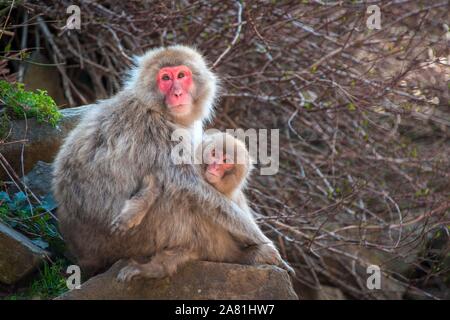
point(39, 180)
point(41, 75)
point(43, 141)
point(391, 288)
point(434, 259)
point(198, 280)
point(329, 293)
point(18, 255)
point(305, 292)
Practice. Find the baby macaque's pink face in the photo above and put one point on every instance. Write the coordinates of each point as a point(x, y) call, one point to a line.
point(219, 165)
point(176, 84)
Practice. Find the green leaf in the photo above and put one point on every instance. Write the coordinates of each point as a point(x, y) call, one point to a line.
point(4, 197)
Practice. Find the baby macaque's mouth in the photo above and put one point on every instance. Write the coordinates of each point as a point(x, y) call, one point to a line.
point(214, 173)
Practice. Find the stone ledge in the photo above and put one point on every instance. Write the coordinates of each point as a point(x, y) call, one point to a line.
point(18, 255)
point(43, 141)
point(198, 280)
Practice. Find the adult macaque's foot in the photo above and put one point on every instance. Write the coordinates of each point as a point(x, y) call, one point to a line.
point(284, 265)
point(129, 272)
point(136, 270)
point(268, 254)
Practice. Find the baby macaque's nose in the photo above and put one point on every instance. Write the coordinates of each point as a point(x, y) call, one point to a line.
point(218, 161)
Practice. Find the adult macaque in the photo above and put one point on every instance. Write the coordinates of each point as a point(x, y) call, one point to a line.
point(123, 146)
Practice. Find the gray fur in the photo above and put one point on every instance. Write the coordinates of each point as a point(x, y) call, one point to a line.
point(104, 161)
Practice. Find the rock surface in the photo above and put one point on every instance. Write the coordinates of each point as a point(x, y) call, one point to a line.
point(198, 280)
point(18, 255)
point(39, 180)
point(329, 293)
point(42, 140)
point(42, 75)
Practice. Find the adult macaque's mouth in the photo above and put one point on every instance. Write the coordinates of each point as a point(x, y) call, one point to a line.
point(179, 107)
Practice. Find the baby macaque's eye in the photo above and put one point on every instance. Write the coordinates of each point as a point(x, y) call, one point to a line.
point(165, 77)
point(213, 152)
point(181, 75)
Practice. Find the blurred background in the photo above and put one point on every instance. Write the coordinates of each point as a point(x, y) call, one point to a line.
point(363, 113)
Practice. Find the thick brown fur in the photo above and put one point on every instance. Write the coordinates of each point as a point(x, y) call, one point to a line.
point(104, 162)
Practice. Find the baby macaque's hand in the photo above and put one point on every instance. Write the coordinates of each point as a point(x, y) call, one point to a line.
point(130, 216)
point(135, 209)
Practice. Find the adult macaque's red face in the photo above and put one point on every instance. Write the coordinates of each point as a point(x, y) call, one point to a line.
point(176, 84)
point(218, 165)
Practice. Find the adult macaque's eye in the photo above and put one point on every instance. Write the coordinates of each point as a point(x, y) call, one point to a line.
point(165, 77)
point(181, 75)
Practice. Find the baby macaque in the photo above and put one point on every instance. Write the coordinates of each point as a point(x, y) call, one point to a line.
point(225, 165)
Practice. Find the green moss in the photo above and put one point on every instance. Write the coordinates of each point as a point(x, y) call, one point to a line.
point(21, 103)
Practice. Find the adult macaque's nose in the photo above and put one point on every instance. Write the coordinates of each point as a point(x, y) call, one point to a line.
point(177, 90)
point(178, 93)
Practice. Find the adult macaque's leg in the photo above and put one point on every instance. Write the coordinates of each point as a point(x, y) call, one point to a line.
point(135, 208)
point(90, 266)
point(162, 264)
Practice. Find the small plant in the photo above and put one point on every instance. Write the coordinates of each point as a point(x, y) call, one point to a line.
point(20, 103)
point(50, 283)
point(33, 220)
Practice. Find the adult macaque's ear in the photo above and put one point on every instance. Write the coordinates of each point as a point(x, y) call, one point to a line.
point(136, 60)
point(132, 76)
